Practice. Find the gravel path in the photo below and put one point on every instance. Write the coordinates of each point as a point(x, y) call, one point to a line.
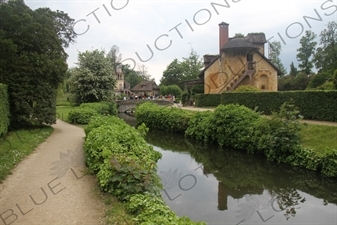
point(50, 187)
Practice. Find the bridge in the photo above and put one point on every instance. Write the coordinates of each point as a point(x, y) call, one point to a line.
point(130, 105)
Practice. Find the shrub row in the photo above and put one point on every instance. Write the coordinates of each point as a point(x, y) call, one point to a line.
point(4, 110)
point(162, 118)
point(83, 113)
point(239, 127)
point(313, 105)
point(125, 166)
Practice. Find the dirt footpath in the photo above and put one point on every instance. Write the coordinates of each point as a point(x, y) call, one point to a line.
point(50, 187)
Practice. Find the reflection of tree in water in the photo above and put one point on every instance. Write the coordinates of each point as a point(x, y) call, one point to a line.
point(288, 200)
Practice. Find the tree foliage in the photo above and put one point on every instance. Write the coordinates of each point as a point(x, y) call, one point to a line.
point(32, 60)
point(293, 70)
point(305, 52)
point(171, 90)
point(92, 80)
point(274, 56)
point(187, 69)
point(326, 55)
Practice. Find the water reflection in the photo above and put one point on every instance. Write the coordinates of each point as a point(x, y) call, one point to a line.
point(224, 186)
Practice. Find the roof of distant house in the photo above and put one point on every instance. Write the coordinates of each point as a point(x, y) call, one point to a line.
point(146, 86)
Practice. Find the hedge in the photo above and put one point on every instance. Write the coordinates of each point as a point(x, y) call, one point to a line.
point(313, 105)
point(125, 166)
point(4, 109)
point(83, 113)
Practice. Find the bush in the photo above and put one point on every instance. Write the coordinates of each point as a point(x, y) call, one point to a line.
point(282, 136)
point(150, 209)
point(244, 88)
point(117, 152)
point(102, 108)
point(83, 113)
point(202, 100)
point(171, 90)
point(125, 166)
point(329, 163)
point(309, 103)
point(230, 125)
point(162, 118)
point(4, 110)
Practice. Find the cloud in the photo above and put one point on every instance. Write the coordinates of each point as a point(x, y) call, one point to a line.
point(132, 25)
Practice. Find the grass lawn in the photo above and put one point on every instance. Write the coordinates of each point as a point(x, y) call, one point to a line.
point(17, 145)
point(318, 137)
point(63, 100)
point(62, 112)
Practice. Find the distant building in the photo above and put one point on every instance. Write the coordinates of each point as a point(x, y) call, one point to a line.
point(146, 88)
point(241, 61)
point(122, 86)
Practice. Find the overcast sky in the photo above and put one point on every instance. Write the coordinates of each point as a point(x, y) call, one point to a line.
point(153, 33)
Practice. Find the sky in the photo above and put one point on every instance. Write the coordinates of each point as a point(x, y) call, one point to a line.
point(155, 32)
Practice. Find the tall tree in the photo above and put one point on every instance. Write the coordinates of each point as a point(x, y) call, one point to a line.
point(305, 52)
point(32, 60)
point(293, 70)
point(274, 56)
point(114, 57)
point(131, 75)
point(173, 73)
point(326, 55)
point(177, 71)
point(191, 66)
point(92, 80)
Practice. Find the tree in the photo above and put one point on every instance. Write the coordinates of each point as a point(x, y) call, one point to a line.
point(92, 80)
point(32, 60)
point(274, 56)
point(305, 52)
point(171, 90)
point(114, 57)
point(131, 75)
point(173, 73)
point(240, 35)
point(177, 71)
point(326, 55)
point(293, 70)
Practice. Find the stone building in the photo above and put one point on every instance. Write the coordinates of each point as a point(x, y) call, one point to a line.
point(241, 61)
point(122, 86)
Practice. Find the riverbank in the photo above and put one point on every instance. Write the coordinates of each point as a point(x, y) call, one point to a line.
point(243, 129)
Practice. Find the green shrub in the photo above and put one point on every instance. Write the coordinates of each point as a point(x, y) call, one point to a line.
point(234, 126)
point(102, 108)
point(309, 103)
point(283, 133)
point(81, 115)
point(244, 88)
point(304, 157)
point(150, 209)
point(4, 110)
point(163, 118)
point(200, 127)
point(329, 163)
point(125, 166)
point(117, 152)
point(99, 120)
point(202, 100)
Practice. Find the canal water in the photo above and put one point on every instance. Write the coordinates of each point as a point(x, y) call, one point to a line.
point(226, 186)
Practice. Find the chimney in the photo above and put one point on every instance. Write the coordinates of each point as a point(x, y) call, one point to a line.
point(223, 34)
